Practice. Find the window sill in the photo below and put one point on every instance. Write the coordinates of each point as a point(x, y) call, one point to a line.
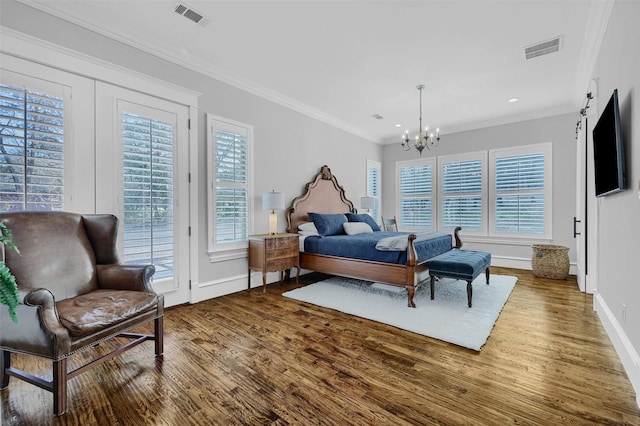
point(511, 241)
point(225, 255)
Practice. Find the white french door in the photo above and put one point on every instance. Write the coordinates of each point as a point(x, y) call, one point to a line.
point(586, 218)
point(142, 176)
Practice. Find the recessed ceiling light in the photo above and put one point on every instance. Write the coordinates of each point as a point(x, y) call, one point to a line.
point(512, 100)
point(398, 125)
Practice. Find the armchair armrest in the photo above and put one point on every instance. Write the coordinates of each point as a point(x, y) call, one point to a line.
point(126, 277)
point(39, 329)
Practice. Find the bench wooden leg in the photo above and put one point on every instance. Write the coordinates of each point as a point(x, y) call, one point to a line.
point(469, 292)
point(432, 285)
point(487, 273)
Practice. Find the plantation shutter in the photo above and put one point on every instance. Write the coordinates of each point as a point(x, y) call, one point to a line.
point(462, 195)
point(32, 147)
point(416, 197)
point(232, 179)
point(373, 187)
point(519, 188)
point(148, 178)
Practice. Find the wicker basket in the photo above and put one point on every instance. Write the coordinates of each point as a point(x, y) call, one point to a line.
point(549, 261)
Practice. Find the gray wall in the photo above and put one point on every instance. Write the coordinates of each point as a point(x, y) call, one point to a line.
point(290, 147)
point(618, 66)
point(560, 130)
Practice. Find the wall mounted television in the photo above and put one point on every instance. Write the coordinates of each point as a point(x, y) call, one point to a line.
point(608, 150)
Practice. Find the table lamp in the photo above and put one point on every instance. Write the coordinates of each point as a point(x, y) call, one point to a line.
point(273, 201)
point(367, 203)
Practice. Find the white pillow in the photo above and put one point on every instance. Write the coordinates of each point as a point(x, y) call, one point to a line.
point(307, 226)
point(355, 228)
point(307, 229)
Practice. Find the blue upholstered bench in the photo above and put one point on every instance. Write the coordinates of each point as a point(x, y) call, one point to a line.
point(459, 264)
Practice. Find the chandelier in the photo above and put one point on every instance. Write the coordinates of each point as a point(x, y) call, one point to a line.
point(429, 140)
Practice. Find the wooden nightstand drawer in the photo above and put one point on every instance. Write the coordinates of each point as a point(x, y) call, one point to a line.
point(280, 252)
point(282, 243)
point(280, 264)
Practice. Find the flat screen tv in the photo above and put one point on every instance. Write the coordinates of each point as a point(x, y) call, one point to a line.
point(608, 150)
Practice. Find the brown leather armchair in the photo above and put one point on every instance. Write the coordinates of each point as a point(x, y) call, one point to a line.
point(74, 295)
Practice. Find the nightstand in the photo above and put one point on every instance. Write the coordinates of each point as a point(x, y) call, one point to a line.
point(271, 253)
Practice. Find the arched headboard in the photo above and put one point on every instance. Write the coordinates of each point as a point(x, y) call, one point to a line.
point(322, 195)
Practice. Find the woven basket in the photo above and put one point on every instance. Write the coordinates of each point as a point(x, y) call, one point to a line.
point(549, 261)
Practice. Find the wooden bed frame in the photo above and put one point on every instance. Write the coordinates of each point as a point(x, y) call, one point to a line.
point(324, 195)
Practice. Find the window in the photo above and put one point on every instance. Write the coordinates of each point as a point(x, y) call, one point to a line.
point(521, 191)
point(32, 147)
point(374, 173)
point(415, 189)
point(462, 192)
point(230, 177)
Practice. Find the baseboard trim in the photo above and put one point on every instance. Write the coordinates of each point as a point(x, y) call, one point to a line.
point(221, 287)
point(521, 263)
point(626, 352)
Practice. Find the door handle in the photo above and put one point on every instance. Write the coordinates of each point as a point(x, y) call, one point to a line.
point(575, 227)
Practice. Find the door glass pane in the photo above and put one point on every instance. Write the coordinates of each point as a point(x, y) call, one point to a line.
point(148, 168)
point(31, 149)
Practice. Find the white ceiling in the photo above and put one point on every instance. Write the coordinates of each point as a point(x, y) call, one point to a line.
point(342, 61)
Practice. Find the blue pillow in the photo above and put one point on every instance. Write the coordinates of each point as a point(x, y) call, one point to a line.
point(328, 224)
point(352, 217)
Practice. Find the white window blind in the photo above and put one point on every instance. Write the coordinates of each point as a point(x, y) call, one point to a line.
point(462, 195)
point(374, 176)
point(232, 198)
point(416, 196)
point(148, 168)
point(31, 148)
point(520, 194)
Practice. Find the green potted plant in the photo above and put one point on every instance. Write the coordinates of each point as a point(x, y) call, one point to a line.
point(8, 287)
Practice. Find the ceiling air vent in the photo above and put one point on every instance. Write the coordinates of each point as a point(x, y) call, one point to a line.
point(189, 13)
point(543, 48)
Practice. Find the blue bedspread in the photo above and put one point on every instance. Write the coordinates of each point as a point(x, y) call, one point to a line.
point(363, 246)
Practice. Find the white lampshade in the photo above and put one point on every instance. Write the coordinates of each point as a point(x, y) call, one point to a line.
point(273, 201)
point(367, 202)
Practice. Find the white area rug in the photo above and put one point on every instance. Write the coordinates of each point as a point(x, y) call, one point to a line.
point(447, 317)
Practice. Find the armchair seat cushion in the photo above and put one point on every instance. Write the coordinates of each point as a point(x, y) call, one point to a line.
point(100, 309)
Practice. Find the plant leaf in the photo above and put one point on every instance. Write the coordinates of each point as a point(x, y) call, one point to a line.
point(6, 237)
point(9, 291)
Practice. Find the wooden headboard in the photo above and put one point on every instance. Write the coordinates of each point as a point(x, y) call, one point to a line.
point(322, 195)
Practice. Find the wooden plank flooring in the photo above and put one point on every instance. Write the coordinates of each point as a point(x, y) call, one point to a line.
point(262, 359)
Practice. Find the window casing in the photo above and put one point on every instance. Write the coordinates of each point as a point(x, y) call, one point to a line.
point(520, 191)
point(462, 192)
point(374, 182)
point(230, 172)
point(416, 195)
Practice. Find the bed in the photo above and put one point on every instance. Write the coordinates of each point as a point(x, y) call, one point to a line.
point(405, 267)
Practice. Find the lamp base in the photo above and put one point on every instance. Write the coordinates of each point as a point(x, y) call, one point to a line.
point(273, 223)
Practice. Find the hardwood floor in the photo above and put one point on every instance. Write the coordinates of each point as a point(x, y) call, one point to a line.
point(255, 359)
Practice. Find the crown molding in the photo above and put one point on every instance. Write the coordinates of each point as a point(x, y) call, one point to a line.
point(33, 49)
point(596, 28)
